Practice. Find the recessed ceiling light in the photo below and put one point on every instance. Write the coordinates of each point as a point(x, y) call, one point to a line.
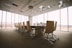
point(49, 6)
point(61, 2)
point(59, 5)
point(41, 6)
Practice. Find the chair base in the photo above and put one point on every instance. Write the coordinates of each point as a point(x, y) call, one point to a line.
point(51, 38)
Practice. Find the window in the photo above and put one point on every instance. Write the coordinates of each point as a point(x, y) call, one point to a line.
point(55, 16)
point(70, 18)
point(34, 20)
point(16, 18)
point(40, 18)
point(22, 18)
point(64, 19)
point(13, 19)
point(19, 18)
point(45, 17)
point(25, 19)
point(4, 20)
point(0, 19)
point(8, 18)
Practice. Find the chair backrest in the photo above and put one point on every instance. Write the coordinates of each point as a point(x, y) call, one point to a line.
point(24, 25)
point(20, 25)
point(28, 27)
point(55, 25)
point(39, 31)
point(49, 27)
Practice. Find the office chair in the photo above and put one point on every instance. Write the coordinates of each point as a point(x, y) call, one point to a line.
point(39, 30)
point(20, 27)
point(54, 36)
point(48, 32)
point(16, 25)
point(24, 27)
point(29, 29)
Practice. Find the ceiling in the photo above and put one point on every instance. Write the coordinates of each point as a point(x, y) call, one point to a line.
point(31, 7)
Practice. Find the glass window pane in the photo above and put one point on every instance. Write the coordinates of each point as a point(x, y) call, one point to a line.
point(40, 18)
point(25, 19)
point(20, 18)
point(13, 19)
point(16, 18)
point(34, 20)
point(0, 18)
point(55, 16)
point(45, 17)
point(70, 18)
point(4, 19)
point(64, 23)
point(8, 24)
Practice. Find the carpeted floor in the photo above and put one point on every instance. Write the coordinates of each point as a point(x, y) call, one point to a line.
point(16, 39)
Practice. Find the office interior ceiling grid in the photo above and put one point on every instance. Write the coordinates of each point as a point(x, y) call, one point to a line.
point(22, 6)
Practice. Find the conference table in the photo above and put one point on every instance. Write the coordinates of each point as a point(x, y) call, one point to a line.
point(38, 30)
